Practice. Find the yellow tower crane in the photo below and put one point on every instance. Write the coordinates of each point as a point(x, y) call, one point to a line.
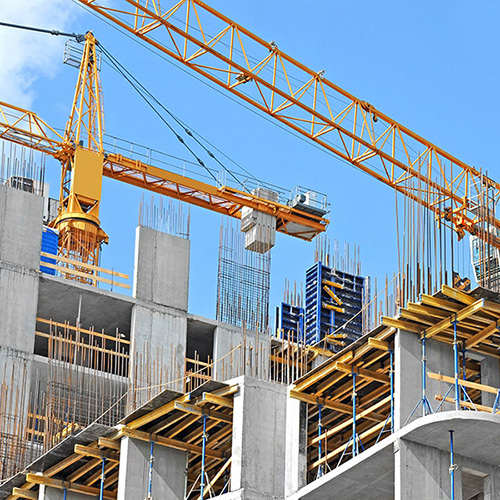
point(85, 162)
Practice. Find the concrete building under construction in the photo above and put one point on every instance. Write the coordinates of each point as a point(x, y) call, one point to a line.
point(359, 390)
point(110, 396)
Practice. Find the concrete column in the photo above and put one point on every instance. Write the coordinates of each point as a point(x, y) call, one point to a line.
point(422, 473)
point(161, 272)
point(490, 375)
point(159, 338)
point(169, 471)
point(259, 435)
point(408, 374)
point(238, 352)
point(20, 244)
point(21, 216)
point(296, 446)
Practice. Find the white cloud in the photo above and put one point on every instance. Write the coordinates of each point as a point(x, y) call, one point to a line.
point(26, 56)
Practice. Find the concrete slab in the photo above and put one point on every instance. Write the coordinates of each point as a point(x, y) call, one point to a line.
point(476, 436)
point(168, 395)
point(159, 400)
point(370, 476)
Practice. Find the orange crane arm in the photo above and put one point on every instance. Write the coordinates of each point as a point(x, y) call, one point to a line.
point(224, 199)
point(26, 128)
point(258, 72)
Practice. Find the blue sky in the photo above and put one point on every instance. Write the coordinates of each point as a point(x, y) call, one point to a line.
point(433, 66)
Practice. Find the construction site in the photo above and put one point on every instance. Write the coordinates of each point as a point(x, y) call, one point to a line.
point(350, 387)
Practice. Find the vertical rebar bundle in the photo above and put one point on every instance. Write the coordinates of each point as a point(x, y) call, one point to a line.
point(429, 254)
point(22, 168)
point(172, 219)
point(243, 283)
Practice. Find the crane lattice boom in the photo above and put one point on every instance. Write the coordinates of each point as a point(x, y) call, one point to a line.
point(261, 74)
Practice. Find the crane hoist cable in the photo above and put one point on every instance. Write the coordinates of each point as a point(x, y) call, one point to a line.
point(148, 98)
point(144, 94)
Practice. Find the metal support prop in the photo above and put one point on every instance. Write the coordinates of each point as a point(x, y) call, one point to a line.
point(391, 373)
point(455, 356)
point(150, 472)
point(320, 431)
point(354, 432)
point(103, 477)
point(452, 467)
point(425, 401)
point(65, 494)
point(496, 404)
point(464, 370)
point(426, 406)
point(203, 449)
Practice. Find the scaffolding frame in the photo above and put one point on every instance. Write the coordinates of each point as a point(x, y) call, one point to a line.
point(92, 469)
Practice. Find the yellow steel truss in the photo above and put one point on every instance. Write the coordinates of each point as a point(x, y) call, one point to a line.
point(220, 49)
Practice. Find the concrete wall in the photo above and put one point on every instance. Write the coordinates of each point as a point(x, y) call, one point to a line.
point(20, 227)
point(423, 473)
point(169, 471)
point(259, 434)
point(20, 244)
point(408, 375)
point(158, 347)
point(161, 273)
point(159, 319)
point(237, 352)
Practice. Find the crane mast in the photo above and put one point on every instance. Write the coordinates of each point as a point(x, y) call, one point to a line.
point(80, 234)
point(216, 47)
